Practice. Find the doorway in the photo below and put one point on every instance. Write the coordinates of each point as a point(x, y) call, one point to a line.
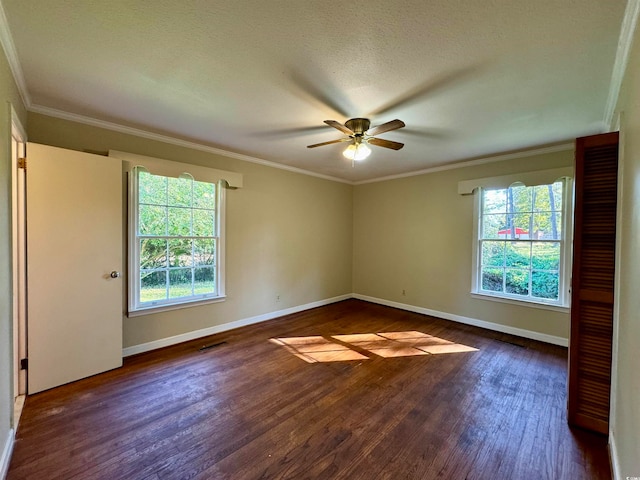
point(18, 247)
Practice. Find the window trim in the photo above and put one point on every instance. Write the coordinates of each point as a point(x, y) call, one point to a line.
point(134, 308)
point(564, 289)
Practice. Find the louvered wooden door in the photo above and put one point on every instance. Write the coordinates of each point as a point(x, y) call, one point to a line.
point(593, 281)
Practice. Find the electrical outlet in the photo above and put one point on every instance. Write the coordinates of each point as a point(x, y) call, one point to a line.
point(277, 298)
point(404, 293)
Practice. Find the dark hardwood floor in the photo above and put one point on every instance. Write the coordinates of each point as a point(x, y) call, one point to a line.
point(249, 408)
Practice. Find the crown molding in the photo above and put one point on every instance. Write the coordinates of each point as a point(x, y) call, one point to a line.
point(625, 42)
point(9, 48)
point(478, 161)
point(52, 112)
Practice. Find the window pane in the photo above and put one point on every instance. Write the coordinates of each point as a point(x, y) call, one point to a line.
point(204, 251)
point(180, 254)
point(517, 226)
point(545, 256)
point(152, 220)
point(521, 198)
point(179, 192)
point(492, 225)
point(542, 201)
point(204, 195)
point(180, 283)
point(492, 279)
point(548, 225)
point(557, 195)
point(494, 201)
point(548, 197)
point(545, 285)
point(517, 281)
point(492, 254)
point(204, 223)
point(153, 253)
point(518, 254)
point(179, 221)
point(204, 280)
point(153, 286)
point(153, 188)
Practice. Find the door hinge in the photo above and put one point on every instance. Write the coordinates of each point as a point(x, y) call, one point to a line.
point(24, 364)
point(22, 163)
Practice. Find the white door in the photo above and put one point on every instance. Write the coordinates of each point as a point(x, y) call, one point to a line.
point(74, 242)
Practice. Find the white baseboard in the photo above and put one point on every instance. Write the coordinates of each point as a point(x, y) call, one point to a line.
point(185, 337)
point(543, 337)
point(613, 456)
point(5, 459)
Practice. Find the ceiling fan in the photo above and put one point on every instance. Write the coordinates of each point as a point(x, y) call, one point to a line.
point(359, 136)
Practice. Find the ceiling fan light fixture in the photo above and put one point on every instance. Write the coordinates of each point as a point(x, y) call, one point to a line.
point(357, 151)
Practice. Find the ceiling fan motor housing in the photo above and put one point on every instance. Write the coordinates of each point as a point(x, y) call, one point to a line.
point(358, 125)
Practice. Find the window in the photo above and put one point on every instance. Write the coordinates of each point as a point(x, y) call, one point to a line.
point(522, 247)
point(175, 241)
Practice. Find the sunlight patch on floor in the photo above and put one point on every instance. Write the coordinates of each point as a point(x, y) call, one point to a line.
point(337, 348)
point(317, 349)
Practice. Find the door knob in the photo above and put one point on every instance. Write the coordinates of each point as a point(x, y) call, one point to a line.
point(114, 274)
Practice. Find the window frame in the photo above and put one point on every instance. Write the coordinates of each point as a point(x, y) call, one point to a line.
point(135, 308)
point(566, 244)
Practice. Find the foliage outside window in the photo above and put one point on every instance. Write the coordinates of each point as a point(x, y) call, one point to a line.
point(521, 243)
point(176, 241)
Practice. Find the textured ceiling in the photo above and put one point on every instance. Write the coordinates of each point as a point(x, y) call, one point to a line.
point(469, 78)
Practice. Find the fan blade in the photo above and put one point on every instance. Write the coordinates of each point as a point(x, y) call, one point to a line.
point(386, 127)
point(339, 126)
point(380, 142)
point(327, 143)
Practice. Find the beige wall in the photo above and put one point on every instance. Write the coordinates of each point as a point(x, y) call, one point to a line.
point(287, 234)
point(292, 236)
point(8, 96)
point(625, 420)
point(415, 234)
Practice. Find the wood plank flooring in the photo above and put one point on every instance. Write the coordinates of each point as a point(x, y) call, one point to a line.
point(249, 408)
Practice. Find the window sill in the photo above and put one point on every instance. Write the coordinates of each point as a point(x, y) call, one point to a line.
point(522, 303)
point(175, 306)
